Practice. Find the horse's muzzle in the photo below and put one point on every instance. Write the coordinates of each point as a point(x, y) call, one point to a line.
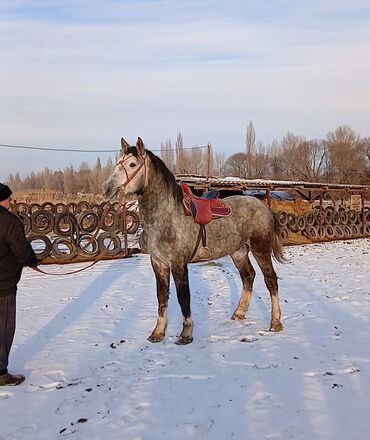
point(107, 189)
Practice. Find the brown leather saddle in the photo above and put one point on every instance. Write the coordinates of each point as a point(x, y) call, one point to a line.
point(203, 209)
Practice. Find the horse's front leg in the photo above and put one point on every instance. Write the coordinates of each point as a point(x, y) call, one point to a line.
point(180, 276)
point(162, 275)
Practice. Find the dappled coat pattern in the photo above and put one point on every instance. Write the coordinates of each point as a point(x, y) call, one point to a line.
point(169, 236)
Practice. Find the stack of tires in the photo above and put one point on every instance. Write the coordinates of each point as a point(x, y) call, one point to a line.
point(64, 231)
point(326, 224)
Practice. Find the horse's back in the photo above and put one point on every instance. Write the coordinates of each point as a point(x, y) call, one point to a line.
point(250, 209)
point(250, 221)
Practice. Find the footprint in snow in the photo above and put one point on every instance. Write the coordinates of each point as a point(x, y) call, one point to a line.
point(266, 400)
point(6, 395)
point(248, 339)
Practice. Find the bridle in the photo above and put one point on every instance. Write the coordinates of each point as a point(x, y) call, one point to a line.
point(129, 178)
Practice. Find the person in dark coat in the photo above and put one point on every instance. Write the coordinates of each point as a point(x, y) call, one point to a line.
point(15, 253)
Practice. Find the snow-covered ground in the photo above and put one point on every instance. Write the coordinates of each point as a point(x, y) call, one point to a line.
point(91, 374)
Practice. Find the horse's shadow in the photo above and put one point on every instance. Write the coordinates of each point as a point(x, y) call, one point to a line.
point(69, 314)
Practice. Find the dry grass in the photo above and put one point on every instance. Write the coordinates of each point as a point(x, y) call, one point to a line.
point(54, 197)
point(296, 207)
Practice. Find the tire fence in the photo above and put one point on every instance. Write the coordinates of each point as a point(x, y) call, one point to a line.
point(326, 224)
point(80, 231)
point(83, 231)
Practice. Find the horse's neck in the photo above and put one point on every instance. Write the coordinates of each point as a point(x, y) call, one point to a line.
point(156, 201)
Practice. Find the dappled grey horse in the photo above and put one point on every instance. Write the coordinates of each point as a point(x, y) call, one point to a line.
point(170, 237)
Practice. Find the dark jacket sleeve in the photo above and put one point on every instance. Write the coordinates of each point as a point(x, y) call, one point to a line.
point(19, 245)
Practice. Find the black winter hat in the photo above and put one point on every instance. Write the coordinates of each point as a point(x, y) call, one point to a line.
point(5, 192)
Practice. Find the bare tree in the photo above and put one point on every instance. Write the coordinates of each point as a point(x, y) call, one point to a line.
point(69, 180)
point(168, 155)
point(181, 159)
point(235, 165)
point(344, 147)
point(250, 147)
point(218, 164)
point(365, 148)
point(196, 161)
point(259, 166)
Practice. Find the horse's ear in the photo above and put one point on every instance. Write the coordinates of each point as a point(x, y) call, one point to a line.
point(140, 146)
point(124, 146)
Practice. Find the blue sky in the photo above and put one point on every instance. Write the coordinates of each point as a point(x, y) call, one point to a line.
point(84, 73)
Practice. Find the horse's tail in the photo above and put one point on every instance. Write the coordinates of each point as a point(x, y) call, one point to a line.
point(277, 242)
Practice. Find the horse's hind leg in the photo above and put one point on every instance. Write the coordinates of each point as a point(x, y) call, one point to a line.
point(180, 276)
point(247, 273)
point(262, 254)
point(162, 275)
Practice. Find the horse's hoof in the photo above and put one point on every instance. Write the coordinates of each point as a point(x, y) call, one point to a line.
point(237, 317)
point(184, 340)
point(276, 327)
point(154, 338)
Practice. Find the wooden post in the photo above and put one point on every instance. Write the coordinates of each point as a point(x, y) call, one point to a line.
point(208, 171)
point(208, 160)
point(268, 197)
point(363, 214)
point(321, 227)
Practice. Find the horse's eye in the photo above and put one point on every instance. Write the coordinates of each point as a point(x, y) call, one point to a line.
point(132, 165)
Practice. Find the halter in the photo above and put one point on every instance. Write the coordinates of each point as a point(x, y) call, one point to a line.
point(142, 161)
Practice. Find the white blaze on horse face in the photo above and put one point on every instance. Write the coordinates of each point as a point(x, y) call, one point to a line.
point(132, 172)
point(128, 175)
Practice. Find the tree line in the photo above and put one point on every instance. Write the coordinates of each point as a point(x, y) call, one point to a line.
point(341, 157)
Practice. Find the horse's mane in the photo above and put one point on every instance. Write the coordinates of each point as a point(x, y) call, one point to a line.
point(167, 176)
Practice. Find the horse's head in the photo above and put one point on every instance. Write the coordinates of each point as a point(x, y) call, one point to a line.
point(130, 171)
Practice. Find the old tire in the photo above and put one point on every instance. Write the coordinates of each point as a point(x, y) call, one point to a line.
point(72, 207)
point(40, 255)
point(311, 232)
point(339, 232)
point(65, 225)
point(87, 246)
point(132, 222)
point(48, 206)
point(57, 252)
point(83, 206)
point(26, 222)
point(60, 208)
point(88, 221)
point(109, 243)
point(310, 218)
point(42, 222)
point(22, 208)
point(34, 207)
point(283, 218)
point(284, 233)
point(110, 220)
point(329, 232)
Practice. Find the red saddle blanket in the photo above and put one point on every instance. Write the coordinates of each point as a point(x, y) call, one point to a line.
point(205, 208)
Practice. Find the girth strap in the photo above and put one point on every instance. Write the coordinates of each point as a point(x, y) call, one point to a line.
point(202, 237)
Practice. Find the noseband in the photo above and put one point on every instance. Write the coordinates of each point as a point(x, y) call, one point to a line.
point(142, 161)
